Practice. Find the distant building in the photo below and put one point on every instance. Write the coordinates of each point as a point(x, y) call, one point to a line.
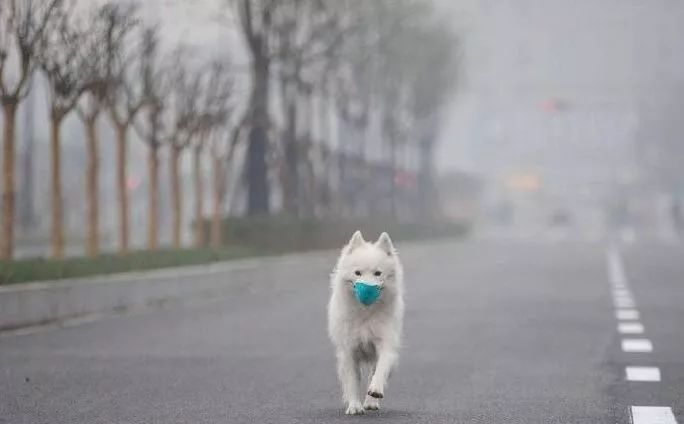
point(556, 88)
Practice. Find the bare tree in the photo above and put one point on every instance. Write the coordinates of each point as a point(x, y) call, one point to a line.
point(156, 83)
point(22, 26)
point(183, 112)
point(219, 157)
point(124, 100)
point(217, 89)
point(223, 143)
point(93, 102)
point(290, 35)
point(306, 33)
point(65, 60)
point(427, 98)
point(255, 17)
point(418, 58)
point(89, 113)
point(171, 116)
point(395, 62)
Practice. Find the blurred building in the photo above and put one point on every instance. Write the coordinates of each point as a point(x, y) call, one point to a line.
point(556, 89)
point(459, 196)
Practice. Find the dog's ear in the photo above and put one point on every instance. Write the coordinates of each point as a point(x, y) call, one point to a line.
point(356, 241)
point(385, 243)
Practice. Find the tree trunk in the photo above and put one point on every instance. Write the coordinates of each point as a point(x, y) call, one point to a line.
point(9, 109)
point(258, 192)
point(305, 156)
point(393, 176)
point(367, 203)
point(26, 205)
point(342, 184)
point(175, 197)
point(217, 202)
point(425, 179)
point(57, 231)
point(153, 197)
point(291, 189)
point(326, 148)
point(121, 187)
point(257, 175)
point(92, 184)
point(199, 197)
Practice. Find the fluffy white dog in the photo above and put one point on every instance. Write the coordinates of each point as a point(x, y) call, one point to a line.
point(366, 337)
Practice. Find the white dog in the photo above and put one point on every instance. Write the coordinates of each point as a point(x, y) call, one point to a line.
point(366, 337)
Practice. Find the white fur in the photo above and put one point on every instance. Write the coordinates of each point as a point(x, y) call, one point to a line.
point(366, 337)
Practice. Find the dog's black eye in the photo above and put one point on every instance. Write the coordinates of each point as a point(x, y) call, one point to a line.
point(377, 273)
point(357, 273)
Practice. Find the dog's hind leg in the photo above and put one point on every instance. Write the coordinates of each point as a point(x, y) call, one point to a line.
point(387, 356)
point(349, 372)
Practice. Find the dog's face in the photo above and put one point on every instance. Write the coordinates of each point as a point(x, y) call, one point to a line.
point(372, 262)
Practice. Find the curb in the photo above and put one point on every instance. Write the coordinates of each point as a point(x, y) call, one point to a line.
point(47, 302)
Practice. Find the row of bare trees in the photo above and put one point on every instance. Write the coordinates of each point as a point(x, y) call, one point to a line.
point(387, 61)
point(109, 64)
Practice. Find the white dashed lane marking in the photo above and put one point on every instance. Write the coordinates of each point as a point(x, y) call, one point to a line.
point(623, 296)
point(642, 373)
point(637, 345)
point(622, 292)
point(624, 302)
point(627, 314)
point(653, 415)
point(630, 328)
point(616, 271)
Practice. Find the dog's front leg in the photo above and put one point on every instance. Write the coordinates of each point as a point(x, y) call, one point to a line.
point(349, 372)
point(371, 403)
point(387, 356)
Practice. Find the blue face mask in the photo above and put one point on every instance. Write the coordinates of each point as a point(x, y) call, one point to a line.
point(365, 292)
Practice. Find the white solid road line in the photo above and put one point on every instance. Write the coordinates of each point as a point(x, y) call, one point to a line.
point(627, 314)
point(630, 328)
point(642, 373)
point(653, 415)
point(637, 345)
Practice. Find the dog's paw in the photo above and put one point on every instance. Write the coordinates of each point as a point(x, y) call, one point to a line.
point(375, 392)
point(371, 404)
point(354, 409)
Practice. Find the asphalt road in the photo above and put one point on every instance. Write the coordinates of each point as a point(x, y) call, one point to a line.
point(495, 332)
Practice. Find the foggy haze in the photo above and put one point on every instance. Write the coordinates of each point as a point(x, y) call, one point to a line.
point(550, 91)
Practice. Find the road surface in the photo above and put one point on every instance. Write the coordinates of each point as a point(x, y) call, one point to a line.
point(495, 332)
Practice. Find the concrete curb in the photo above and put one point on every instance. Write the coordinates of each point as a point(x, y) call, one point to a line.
point(39, 303)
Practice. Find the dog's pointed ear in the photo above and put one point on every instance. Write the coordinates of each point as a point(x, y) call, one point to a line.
point(356, 241)
point(385, 243)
